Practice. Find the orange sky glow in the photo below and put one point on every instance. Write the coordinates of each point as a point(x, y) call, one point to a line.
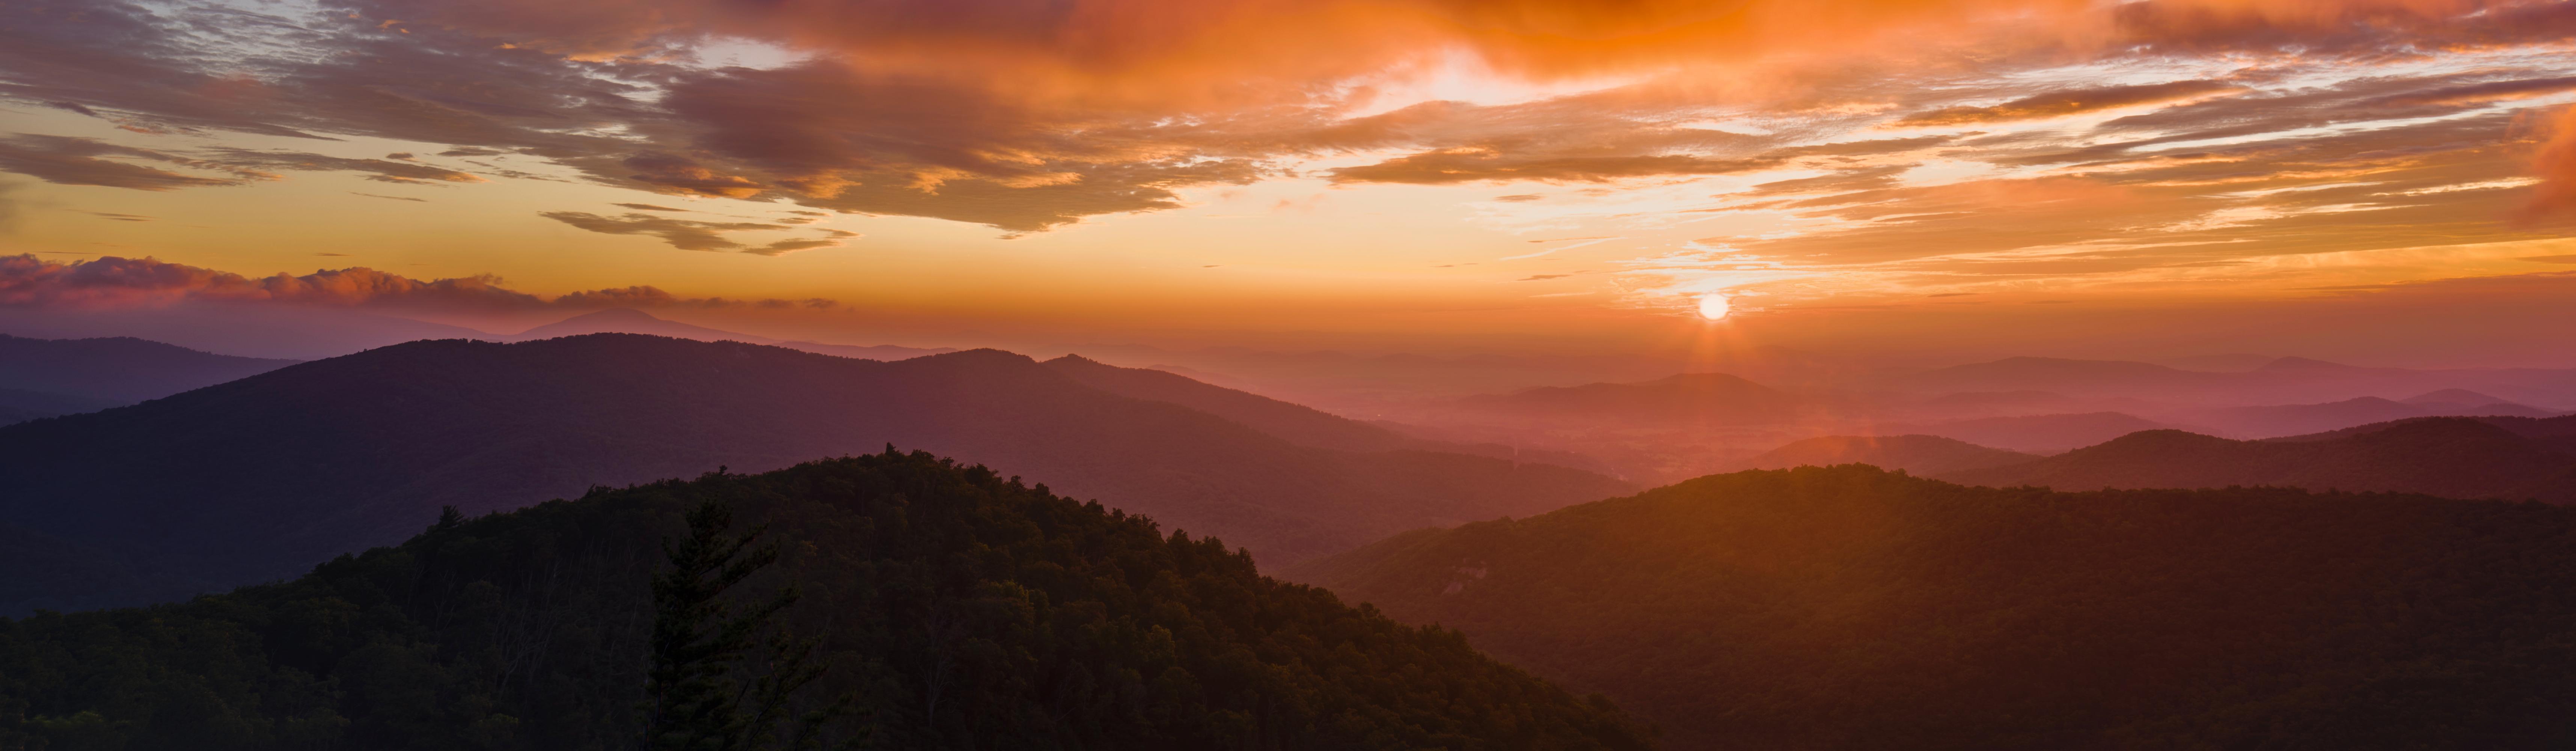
point(2384, 181)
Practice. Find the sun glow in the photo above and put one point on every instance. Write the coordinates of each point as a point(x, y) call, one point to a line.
point(1713, 307)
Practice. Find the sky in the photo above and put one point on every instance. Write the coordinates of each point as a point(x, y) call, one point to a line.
point(2380, 181)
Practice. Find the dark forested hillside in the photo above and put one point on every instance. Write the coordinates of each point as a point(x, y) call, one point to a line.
point(957, 609)
point(1849, 607)
point(2449, 456)
point(259, 478)
point(117, 370)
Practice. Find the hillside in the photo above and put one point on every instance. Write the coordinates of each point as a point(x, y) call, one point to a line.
point(2038, 433)
point(958, 609)
point(258, 478)
point(1850, 608)
point(1917, 454)
point(2449, 457)
point(120, 370)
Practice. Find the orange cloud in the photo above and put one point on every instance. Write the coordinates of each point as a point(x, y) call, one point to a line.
point(2555, 164)
point(2063, 103)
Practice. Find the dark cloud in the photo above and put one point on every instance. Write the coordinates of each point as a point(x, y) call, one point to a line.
point(113, 216)
point(81, 161)
point(645, 207)
point(687, 234)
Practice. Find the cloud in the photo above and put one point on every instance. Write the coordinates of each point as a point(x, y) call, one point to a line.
point(645, 207)
point(121, 283)
point(987, 112)
point(2075, 102)
point(1487, 164)
point(687, 234)
point(80, 161)
point(2555, 164)
point(390, 198)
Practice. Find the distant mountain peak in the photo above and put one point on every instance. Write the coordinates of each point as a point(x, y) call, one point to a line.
point(2454, 397)
point(2299, 364)
point(606, 315)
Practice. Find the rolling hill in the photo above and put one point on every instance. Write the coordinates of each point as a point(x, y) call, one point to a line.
point(1680, 400)
point(953, 608)
point(2449, 457)
point(2038, 433)
point(1847, 608)
point(100, 373)
point(1916, 454)
point(258, 478)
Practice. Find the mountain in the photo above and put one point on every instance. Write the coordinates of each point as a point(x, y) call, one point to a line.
point(2452, 398)
point(1850, 608)
point(1917, 454)
point(2038, 433)
point(632, 321)
point(2234, 362)
point(20, 405)
point(2301, 419)
point(257, 478)
point(100, 373)
point(245, 329)
point(1685, 399)
point(2449, 457)
point(955, 609)
point(1298, 424)
point(2280, 381)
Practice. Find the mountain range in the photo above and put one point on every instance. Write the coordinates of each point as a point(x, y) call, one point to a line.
point(1915, 454)
point(1848, 607)
point(2453, 457)
point(258, 478)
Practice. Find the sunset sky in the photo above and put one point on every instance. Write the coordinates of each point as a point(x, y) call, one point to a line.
point(2382, 181)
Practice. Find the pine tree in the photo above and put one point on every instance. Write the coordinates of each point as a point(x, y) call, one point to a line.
point(697, 700)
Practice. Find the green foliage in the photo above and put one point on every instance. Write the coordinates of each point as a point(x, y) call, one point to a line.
point(1847, 607)
point(959, 609)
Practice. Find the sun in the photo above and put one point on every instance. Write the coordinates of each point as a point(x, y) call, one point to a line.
point(1713, 307)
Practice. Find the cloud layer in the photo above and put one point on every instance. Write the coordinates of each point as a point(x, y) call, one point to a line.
point(125, 283)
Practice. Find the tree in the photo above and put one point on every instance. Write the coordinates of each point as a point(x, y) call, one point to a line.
point(697, 700)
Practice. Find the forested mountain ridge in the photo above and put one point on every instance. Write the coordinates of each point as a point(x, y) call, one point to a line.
point(258, 478)
point(1848, 607)
point(957, 608)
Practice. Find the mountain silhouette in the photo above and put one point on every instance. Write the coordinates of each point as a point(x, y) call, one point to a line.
point(2283, 380)
point(632, 321)
point(1850, 608)
point(950, 607)
point(2301, 419)
point(1685, 399)
point(1917, 454)
point(119, 370)
point(257, 478)
point(2447, 456)
point(2038, 433)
